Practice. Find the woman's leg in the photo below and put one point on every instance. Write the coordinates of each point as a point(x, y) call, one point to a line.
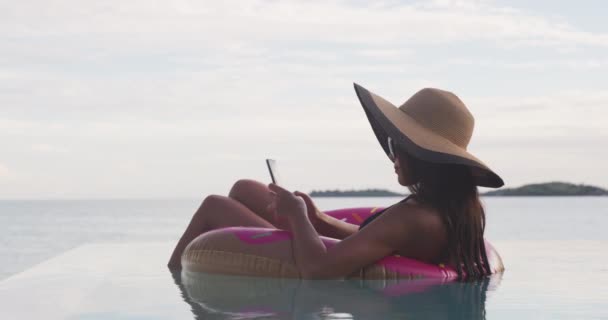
point(216, 212)
point(255, 196)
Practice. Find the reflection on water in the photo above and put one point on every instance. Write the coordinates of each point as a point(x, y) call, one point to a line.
point(228, 297)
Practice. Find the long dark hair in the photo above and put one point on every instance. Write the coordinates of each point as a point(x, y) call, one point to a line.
point(451, 190)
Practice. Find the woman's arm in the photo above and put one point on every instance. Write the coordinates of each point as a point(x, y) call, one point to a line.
point(335, 228)
point(315, 261)
point(325, 224)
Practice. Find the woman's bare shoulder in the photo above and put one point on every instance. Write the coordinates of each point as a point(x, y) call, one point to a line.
point(418, 229)
point(415, 213)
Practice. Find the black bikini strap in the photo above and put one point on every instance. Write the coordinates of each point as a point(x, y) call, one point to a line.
point(377, 214)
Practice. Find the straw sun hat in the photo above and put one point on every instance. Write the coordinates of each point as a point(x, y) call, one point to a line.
point(433, 125)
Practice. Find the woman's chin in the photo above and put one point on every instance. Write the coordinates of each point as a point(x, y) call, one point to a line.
point(404, 182)
point(401, 182)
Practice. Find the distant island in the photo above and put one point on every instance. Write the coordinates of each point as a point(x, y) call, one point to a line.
point(537, 189)
point(355, 193)
point(550, 189)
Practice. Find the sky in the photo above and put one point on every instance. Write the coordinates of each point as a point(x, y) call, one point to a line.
point(171, 99)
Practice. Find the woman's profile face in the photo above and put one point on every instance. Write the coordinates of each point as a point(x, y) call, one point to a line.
point(398, 169)
point(400, 163)
point(401, 169)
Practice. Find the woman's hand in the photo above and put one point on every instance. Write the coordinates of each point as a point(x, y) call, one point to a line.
point(314, 214)
point(285, 203)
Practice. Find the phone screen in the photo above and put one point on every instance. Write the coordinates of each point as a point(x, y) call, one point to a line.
point(272, 168)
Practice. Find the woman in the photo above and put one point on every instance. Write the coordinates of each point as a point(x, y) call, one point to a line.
point(442, 221)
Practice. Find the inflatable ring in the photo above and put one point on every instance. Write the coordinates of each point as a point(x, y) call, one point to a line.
point(265, 252)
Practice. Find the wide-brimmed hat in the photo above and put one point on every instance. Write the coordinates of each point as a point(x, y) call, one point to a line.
point(433, 125)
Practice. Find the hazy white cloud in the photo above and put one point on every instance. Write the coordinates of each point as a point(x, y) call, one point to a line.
point(10, 126)
point(546, 137)
point(4, 172)
point(48, 148)
point(541, 64)
point(152, 98)
point(234, 26)
point(400, 54)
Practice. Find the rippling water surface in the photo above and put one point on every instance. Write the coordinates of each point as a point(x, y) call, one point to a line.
point(554, 250)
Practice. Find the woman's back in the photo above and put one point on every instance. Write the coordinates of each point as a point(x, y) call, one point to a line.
point(430, 230)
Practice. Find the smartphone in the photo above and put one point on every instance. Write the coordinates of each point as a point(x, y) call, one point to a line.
point(272, 168)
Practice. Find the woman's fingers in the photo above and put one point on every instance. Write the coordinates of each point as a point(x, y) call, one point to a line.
point(302, 194)
point(306, 198)
point(277, 188)
point(273, 201)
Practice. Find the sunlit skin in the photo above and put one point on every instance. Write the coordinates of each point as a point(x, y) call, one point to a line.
point(408, 228)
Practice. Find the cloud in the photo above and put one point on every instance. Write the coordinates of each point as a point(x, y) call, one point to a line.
point(562, 121)
point(164, 93)
point(4, 171)
point(48, 148)
point(158, 57)
point(573, 64)
point(234, 25)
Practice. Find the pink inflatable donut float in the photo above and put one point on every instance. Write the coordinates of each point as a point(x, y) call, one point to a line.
point(265, 252)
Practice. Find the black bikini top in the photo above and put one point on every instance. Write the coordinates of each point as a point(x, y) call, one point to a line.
point(377, 214)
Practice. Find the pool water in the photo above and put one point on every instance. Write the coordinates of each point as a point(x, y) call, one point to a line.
point(554, 252)
point(130, 281)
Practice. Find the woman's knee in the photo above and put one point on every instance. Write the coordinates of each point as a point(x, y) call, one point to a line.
point(213, 200)
point(245, 187)
point(253, 194)
point(211, 203)
point(220, 211)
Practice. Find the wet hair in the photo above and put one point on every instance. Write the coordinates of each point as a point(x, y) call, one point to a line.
point(451, 190)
